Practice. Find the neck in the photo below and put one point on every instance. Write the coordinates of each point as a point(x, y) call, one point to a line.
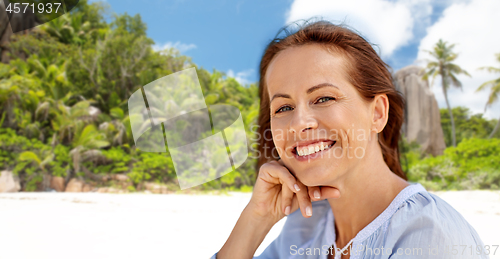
point(366, 191)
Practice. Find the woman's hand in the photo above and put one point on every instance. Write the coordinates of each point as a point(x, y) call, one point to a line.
point(278, 193)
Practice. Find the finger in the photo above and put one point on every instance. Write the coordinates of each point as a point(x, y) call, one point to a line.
point(286, 199)
point(328, 192)
point(283, 164)
point(314, 193)
point(304, 200)
point(280, 174)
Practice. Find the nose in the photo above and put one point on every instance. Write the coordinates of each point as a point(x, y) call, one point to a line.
point(303, 119)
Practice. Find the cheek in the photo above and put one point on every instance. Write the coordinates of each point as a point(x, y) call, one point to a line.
point(359, 136)
point(350, 121)
point(278, 131)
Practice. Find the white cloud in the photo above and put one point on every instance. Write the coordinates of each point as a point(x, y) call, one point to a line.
point(473, 27)
point(389, 24)
point(241, 77)
point(182, 47)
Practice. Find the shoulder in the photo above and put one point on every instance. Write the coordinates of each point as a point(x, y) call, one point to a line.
point(425, 221)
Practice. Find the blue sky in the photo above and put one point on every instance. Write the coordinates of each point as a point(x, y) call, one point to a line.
point(230, 36)
point(221, 34)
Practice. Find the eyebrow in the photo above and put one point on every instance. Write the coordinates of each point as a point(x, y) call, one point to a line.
point(316, 87)
point(310, 90)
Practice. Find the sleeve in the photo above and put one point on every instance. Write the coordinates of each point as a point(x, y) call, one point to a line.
point(297, 230)
point(428, 227)
point(271, 252)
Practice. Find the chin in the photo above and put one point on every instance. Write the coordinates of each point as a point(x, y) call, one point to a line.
point(313, 177)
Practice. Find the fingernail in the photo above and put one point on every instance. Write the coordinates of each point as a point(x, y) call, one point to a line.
point(309, 211)
point(287, 210)
point(316, 195)
point(296, 187)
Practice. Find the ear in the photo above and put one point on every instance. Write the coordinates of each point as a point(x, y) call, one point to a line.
point(380, 110)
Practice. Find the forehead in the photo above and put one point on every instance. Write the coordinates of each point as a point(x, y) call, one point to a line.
point(305, 66)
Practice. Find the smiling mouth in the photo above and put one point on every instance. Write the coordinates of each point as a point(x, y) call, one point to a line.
point(313, 148)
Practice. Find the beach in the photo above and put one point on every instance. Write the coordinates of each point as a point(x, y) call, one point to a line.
point(96, 225)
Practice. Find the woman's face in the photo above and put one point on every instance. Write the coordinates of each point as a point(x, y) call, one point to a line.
point(321, 125)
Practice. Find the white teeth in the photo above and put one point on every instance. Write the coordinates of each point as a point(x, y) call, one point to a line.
point(312, 149)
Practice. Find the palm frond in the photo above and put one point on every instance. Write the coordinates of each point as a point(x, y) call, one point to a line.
point(490, 69)
point(455, 69)
point(455, 82)
point(491, 99)
point(30, 156)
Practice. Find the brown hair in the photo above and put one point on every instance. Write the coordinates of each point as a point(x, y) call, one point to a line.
point(366, 72)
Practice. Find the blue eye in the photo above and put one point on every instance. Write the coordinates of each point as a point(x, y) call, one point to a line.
point(282, 109)
point(324, 99)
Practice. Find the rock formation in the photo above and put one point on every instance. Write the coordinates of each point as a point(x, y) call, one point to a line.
point(422, 117)
point(74, 185)
point(57, 183)
point(9, 182)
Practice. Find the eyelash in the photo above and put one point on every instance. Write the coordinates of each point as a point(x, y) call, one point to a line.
point(317, 101)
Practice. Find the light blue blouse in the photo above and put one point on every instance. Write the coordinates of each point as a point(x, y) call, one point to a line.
point(417, 224)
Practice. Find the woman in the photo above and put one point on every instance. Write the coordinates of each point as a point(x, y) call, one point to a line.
point(330, 123)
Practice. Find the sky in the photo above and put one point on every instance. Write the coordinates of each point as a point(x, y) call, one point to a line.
point(230, 35)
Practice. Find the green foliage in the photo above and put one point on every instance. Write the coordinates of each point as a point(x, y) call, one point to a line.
point(246, 188)
point(32, 184)
point(466, 125)
point(474, 155)
point(63, 100)
point(39, 43)
point(12, 145)
point(157, 167)
point(62, 161)
point(473, 164)
point(117, 162)
point(63, 107)
point(31, 158)
point(410, 154)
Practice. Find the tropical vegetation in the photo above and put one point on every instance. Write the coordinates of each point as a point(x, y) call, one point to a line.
point(442, 65)
point(64, 112)
point(63, 101)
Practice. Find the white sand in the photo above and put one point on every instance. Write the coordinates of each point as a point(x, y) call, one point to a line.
point(94, 225)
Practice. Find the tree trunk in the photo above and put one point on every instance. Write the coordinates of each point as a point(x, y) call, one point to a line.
point(495, 129)
point(46, 181)
point(443, 82)
point(94, 177)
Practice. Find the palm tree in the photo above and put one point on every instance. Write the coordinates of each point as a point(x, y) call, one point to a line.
point(43, 158)
point(116, 130)
point(442, 66)
point(86, 144)
point(495, 90)
point(69, 29)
